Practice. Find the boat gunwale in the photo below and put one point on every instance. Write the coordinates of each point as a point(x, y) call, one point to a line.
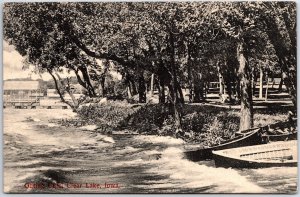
point(280, 135)
point(245, 135)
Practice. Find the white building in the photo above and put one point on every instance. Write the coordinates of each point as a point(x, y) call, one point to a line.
point(21, 94)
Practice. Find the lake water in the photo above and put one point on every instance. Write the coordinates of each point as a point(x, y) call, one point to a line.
point(41, 157)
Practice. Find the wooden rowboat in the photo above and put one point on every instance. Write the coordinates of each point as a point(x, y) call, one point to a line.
point(276, 154)
point(245, 138)
point(282, 137)
point(280, 131)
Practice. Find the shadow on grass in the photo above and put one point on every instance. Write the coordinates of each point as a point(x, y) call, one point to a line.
point(274, 108)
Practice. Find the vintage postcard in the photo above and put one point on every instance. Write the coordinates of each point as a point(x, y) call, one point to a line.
point(150, 97)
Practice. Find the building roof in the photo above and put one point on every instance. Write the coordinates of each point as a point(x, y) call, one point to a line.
point(21, 85)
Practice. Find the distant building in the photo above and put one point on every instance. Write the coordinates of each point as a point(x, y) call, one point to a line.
point(21, 94)
point(52, 100)
point(28, 94)
point(52, 93)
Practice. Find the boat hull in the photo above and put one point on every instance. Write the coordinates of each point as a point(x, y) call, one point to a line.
point(221, 161)
point(276, 154)
point(280, 126)
point(282, 137)
point(252, 138)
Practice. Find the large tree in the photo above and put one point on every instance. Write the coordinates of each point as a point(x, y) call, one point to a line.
point(179, 42)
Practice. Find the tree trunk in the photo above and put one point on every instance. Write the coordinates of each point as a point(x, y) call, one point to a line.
point(74, 100)
point(201, 90)
point(142, 89)
point(170, 93)
point(238, 89)
point(198, 86)
point(67, 86)
point(163, 77)
point(58, 89)
point(291, 88)
point(161, 90)
point(261, 75)
point(290, 81)
point(176, 103)
point(179, 91)
point(133, 88)
point(102, 90)
point(191, 82)
point(87, 80)
point(152, 85)
point(254, 81)
point(196, 89)
point(80, 81)
point(273, 81)
point(267, 87)
point(162, 95)
point(192, 91)
point(280, 83)
point(229, 89)
point(246, 120)
point(129, 92)
point(221, 81)
point(61, 96)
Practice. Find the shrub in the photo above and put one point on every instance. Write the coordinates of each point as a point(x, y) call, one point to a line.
point(207, 124)
point(106, 117)
point(204, 124)
point(149, 118)
point(217, 132)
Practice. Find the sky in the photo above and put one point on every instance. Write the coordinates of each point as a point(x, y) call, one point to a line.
point(13, 66)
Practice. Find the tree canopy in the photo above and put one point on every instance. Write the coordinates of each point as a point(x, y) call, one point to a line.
point(184, 44)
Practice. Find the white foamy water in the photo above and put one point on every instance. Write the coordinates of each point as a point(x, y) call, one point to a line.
point(187, 174)
point(52, 125)
point(39, 150)
point(291, 171)
point(58, 139)
point(152, 152)
point(25, 163)
point(135, 162)
point(89, 127)
point(127, 149)
point(159, 139)
point(103, 138)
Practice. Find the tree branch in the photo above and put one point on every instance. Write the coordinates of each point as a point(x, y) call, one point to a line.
point(58, 91)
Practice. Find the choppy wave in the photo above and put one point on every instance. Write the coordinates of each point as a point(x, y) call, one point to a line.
point(143, 163)
point(104, 138)
point(189, 174)
point(135, 162)
point(25, 163)
point(127, 149)
point(159, 139)
point(277, 171)
point(52, 125)
point(89, 127)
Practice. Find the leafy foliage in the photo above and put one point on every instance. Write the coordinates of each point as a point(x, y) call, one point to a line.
point(182, 43)
point(107, 117)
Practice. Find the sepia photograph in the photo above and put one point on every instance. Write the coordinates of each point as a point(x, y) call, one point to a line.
point(191, 97)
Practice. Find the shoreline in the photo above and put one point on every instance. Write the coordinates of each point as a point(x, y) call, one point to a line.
point(131, 119)
point(116, 118)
